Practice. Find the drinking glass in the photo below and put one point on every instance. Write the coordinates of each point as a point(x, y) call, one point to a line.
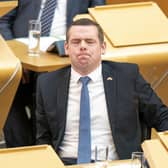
point(34, 37)
point(138, 160)
point(101, 156)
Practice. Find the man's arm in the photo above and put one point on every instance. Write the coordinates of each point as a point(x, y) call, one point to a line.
point(97, 2)
point(152, 109)
point(6, 24)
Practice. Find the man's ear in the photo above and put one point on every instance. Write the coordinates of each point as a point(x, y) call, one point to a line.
point(103, 48)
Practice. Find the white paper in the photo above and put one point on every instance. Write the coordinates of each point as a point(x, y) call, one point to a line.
point(45, 42)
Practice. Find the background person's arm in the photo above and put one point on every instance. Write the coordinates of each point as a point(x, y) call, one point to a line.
point(6, 24)
point(97, 2)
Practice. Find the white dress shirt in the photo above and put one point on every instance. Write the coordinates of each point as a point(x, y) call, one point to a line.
point(101, 135)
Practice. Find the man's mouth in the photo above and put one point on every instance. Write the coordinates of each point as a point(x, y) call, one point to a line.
point(83, 55)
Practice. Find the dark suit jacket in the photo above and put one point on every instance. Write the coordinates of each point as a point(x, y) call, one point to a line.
point(129, 98)
point(15, 24)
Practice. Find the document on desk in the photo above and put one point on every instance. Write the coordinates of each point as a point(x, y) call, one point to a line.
point(45, 42)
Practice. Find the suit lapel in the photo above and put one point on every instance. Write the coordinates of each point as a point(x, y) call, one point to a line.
point(62, 97)
point(110, 80)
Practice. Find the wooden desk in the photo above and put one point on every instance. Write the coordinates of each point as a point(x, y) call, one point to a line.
point(37, 156)
point(93, 165)
point(6, 6)
point(156, 150)
point(163, 4)
point(45, 62)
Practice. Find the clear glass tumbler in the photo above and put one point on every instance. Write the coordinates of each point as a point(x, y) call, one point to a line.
point(34, 37)
point(101, 156)
point(138, 160)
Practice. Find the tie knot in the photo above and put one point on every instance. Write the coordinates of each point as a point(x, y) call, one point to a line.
point(84, 80)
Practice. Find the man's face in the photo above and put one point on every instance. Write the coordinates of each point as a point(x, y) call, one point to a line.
point(84, 48)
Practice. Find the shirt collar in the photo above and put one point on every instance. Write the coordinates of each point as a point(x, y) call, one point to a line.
point(94, 76)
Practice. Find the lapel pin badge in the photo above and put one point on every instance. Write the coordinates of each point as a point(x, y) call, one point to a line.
point(109, 78)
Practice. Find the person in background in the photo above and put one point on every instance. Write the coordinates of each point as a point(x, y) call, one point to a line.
point(120, 100)
point(15, 24)
point(19, 130)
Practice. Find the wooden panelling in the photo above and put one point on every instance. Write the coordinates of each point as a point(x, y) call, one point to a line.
point(163, 4)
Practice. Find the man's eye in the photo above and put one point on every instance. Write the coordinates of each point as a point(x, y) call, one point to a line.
point(90, 41)
point(75, 41)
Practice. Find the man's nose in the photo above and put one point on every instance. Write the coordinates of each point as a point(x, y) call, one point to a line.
point(83, 44)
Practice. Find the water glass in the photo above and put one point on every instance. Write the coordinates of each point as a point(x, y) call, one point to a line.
point(34, 37)
point(101, 153)
point(101, 156)
point(138, 160)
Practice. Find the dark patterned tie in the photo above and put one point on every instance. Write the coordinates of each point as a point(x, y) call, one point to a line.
point(47, 16)
point(84, 146)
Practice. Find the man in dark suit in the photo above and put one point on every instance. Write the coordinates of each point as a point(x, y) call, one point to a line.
point(119, 99)
point(18, 128)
